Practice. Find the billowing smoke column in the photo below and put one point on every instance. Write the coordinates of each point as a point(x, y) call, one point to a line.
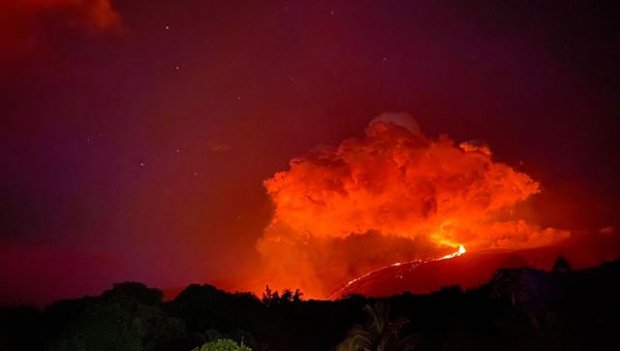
point(394, 195)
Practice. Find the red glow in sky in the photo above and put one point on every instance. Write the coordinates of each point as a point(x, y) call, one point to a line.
point(136, 135)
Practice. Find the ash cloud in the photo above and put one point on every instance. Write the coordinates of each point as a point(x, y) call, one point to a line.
point(393, 195)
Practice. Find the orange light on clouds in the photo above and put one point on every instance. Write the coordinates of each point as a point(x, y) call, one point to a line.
point(393, 195)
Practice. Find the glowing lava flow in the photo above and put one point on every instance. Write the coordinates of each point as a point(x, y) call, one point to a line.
point(458, 252)
point(337, 294)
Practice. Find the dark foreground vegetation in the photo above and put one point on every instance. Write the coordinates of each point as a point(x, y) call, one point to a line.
point(521, 309)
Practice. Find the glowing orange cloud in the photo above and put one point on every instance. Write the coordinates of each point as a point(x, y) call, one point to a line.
point(390, 196)
point(24, 23)
point(97, 13)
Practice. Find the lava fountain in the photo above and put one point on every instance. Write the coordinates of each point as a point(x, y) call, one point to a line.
point(392, 196)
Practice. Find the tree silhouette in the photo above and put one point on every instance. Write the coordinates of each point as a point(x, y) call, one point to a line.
point(127, 317)
point(222, 345)
point(273, 297)
point(379, 333)
point(561, 265)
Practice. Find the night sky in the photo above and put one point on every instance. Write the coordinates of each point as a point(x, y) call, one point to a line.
point(136, 134)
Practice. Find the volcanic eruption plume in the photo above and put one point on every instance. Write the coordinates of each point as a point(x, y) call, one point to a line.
point(393, 195)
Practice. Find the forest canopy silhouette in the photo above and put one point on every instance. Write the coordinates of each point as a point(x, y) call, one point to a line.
point(519, 309)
